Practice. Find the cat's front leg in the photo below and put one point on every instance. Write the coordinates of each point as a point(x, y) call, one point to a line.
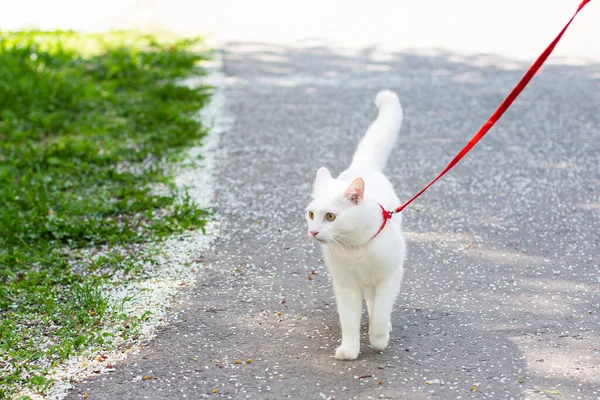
point(348, 297)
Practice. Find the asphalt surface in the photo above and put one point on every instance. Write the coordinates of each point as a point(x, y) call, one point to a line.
point(501, 297)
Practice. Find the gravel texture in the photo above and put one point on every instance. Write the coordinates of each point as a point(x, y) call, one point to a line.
point(501, 296)
point(502, 289)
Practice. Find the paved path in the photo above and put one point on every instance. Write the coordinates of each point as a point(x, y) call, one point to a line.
point(502, 291)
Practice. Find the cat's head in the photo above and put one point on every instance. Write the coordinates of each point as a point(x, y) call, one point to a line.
point(337, 213)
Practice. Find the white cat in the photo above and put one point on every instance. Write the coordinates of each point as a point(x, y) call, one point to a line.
point(363, 249)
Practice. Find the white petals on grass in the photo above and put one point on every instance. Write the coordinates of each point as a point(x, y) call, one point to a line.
point(172, 266)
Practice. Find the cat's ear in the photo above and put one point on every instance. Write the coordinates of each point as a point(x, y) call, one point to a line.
point(355, 193)
point(323, 176)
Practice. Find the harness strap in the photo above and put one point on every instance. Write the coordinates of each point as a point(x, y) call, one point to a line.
point(386, 215)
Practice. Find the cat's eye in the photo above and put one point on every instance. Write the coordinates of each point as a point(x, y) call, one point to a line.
point(311, 215)
point(330, 216)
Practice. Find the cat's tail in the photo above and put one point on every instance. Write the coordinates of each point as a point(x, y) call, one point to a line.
point(374, 149)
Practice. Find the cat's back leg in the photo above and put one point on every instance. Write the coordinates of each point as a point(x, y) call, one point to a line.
point(368, 294)
point(380, 324)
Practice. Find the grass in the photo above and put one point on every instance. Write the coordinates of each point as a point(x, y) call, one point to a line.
point(86, 124)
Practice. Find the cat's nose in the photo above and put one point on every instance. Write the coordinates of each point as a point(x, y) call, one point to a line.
point(314, 233)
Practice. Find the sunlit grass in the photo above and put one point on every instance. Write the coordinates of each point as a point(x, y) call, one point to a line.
point(86, 123)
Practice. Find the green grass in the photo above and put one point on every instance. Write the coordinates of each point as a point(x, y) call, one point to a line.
point(86, 123)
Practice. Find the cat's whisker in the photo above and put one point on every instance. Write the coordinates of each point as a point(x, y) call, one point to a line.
point(343, 245)
point(307, 241)
point(344, 241)
point(334, 240)
point(337, 242)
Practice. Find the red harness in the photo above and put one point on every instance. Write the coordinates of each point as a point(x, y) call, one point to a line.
point(386, 215)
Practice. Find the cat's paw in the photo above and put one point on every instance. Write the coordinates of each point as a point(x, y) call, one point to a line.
point(346, 353)
point(379, 341)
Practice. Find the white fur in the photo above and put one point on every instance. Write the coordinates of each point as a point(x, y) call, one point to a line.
point(374, 150)
point(362, 266)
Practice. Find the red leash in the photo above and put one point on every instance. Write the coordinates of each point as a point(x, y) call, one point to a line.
point(497, 114)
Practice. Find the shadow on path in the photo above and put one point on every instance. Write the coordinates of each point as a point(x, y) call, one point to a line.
point(501, 295)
